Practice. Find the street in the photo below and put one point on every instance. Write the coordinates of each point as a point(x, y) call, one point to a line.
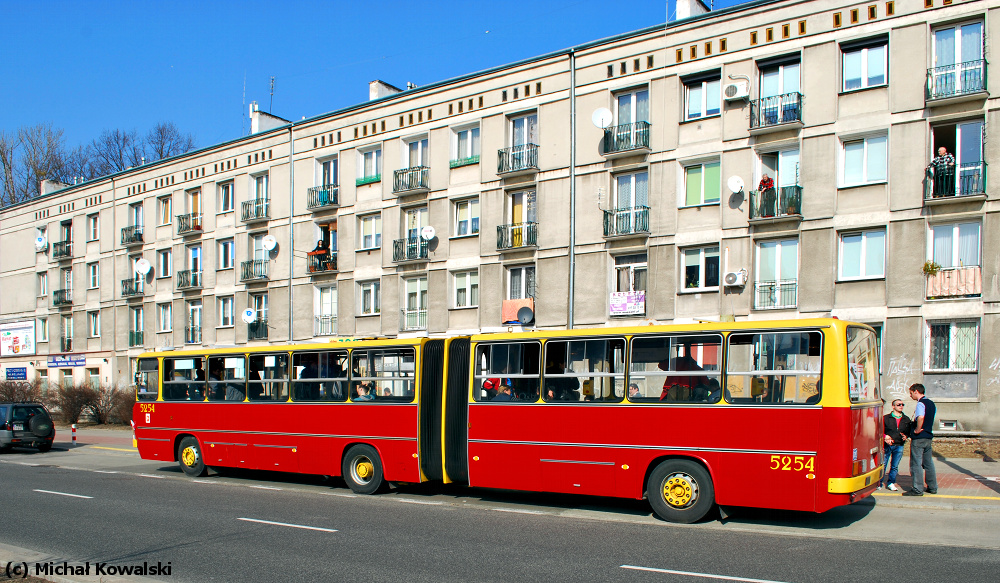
point(99, 502)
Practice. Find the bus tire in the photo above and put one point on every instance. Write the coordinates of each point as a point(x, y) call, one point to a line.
point(362, 469)
point(189, 457)
point(680, 491)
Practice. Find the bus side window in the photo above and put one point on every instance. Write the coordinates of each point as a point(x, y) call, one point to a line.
point(507, 372)
point(676, 369)
point(774, 368)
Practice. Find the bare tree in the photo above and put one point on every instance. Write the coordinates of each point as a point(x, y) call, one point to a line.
point(165, 140)
point(116, 150)
point(8, 161)
point(79, 164)
point(27, 157)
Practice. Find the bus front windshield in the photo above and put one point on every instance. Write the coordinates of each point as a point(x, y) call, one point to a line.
point(862, 364)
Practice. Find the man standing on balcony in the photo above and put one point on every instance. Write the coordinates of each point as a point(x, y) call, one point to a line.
point(767, 196)
point(941, 171)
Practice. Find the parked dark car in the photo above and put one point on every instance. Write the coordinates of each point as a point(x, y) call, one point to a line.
point(25, 425)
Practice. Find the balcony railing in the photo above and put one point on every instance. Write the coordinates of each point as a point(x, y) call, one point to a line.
point(188, 278)
point(413, 319)
point(322, 197)
point(943, 181)
point(62, 249)
point(135, 338)
point(256, 210)
point(65, 344)
point(409, 249)
point(517, 159)
point(777, 110)
point(464, 161)
point(253, 269)
point(783, 201)
point(188, 224)
point(626, 137)
point(257, 330)
point(62, 297)
point(956, 282)
point(956, 80)
point(132, 287)
point(192, 334)
point(325, 326)
point(132, 235)
point(626, 221)
point(322, 261)
point(410, 179)
point(517, 235)
point(775, 295)
point(368, 180)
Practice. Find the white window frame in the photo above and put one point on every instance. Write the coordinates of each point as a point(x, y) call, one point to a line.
point(165, 317)
point(955, 245)
point(952, 365)
point(512, 124)
point(682, 203)
point(633, 103)
point(867, 143)
point(322, 171)
point(93, 275)
point(136, 319)
point(374, 288)
point(376, 231)
point(703, 253)
point(165, 210)
point(94, 324)
point(43, 284)
point(422, 143)
point(375, 152)
point(227, 197)
point(136, 218)
point(705, 89)
point(865, 52)
point(473, 143)
point(260, 186)
point(522, 290)
point(226, 254)
point(164, 267)
point(621, 264)
point(474, 219)
point(93, 227)
point(467, 281)
point(865, 249)
point(227, 312)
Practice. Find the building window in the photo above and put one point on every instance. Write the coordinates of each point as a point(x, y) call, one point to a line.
point(371, 297)
point(43, 329)
point(959, 67)
point(93, 227)
point(862, 255)
point(371, 164)
point(43, 284)
point(466, 289)
point(632, 106)
point(165, 210)
point(864, 160)
point(415, 303)
point(94, 324)
point(631, 272)
point(226, 254)
point(952, 346)
point(226, 313)
point(467, 217)
point(227, 200)
point(415, 153)
point(371, 232)
point(865, 67)
point(164, 263)
point(164, 317)
point(701, 268)
point(524, 130)
point(955, 245)
point(135, 320)
point(778, 80)
point(94, 376)
point(326, 172)
point(702, 184)
point(777, 271)
point(136, 217)
point(93, 275)
point(703, 97)
point(521, 282)
point(631, 190)
point(326, 309)
point(465, 148)
point(260, 186)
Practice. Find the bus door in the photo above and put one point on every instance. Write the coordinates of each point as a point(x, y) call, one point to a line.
point(866, 402)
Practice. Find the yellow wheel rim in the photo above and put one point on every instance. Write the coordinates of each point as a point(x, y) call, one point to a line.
point(680, 490)
point(189, 456)
point(364, 469)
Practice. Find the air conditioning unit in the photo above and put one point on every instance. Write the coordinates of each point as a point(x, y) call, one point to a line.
point(737, 90)
point(735, 279)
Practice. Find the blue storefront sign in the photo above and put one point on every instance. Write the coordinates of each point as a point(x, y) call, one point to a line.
point(66, 360)
point(19, 373)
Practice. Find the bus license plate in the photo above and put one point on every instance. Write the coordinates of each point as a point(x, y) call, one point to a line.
point(19, 427)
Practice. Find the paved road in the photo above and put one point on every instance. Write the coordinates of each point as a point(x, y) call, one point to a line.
point(206, 529)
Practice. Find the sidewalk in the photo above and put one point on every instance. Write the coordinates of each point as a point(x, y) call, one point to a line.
point(95, 436)
point(962, 483)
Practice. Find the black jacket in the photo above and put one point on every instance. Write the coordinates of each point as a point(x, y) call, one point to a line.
point(897, 434)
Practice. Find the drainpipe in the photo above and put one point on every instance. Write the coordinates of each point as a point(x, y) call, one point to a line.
point(291, 226)
point(572, 187)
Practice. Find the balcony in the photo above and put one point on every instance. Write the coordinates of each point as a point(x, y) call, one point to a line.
point(626, 139)
point(132, 235)
point(626, 222)
point(321, 261)
point(257, 330)
point(956, 83)
point(62, 297)
point(325, 326)
point(517, 236)
point(409, 249)
point(772, 114)
point(319, 198)
point(412, 320)
point(775, 295)
point(517, 160)
point(464, 161)
point(134, 338)
point(62, 250)
point(368, 180)
point(410, 180)
point(255, 210)
point(132, 287)
point(189, 278)
point(65, 344)
point(784, 202)
point(189, 224)
point(628, 303)
point(955, 282)
point(253, 270)
point(510, 309)
point(943, 185)
point(192, 334)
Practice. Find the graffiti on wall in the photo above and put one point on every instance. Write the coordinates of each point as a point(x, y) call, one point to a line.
point(994, 374)
point(900, 374)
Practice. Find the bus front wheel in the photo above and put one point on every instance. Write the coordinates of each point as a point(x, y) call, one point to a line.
point(680, 491)
point(362, 469)
point(189, 457)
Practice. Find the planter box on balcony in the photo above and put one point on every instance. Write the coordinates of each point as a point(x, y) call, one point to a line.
point(957, 282)
point(464, 162)
point(368, 180)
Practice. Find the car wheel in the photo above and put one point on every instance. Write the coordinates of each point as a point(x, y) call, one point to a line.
point(40, 426)
point(680, 491)
point(190, 458)
point(362, 469)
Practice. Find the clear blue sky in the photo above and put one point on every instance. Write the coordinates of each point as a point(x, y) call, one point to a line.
point(87, 66)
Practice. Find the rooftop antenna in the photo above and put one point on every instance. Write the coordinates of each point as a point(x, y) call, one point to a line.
point(270, 107)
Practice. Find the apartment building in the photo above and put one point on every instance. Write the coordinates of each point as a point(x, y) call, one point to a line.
point(617, 182)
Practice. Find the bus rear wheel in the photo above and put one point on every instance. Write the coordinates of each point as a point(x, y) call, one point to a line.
point(362, 469)
point(190, 458)
point(680, 491)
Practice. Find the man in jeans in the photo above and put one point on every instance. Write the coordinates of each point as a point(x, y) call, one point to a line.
point(921, 456)
point(896, 428)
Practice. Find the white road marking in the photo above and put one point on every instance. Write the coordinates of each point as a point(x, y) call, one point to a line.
point(204, 482)
point(411, 501)
point(339, 495)
point(63, 494)
point(151, 476)
point(264, 487)
point(287, 524)
point(104, 471)
point(701, 575)
point(518, 511)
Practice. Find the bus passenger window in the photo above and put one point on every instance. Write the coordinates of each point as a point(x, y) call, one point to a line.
point(319, 376)
point(184, 379)
point(268, 378)
point(227, 379)
point(383, 375)
point(584, 371)
point(507, 372)
point(147, 384)
point(774, 368)
point(676, 369)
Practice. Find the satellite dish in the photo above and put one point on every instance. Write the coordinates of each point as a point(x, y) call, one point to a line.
point(735, 184)
point(40, 243)
point(270, 242)
point(249, 315)
point(427, 233)
point(525, 315)
point(142, 266)
point(602, 117)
